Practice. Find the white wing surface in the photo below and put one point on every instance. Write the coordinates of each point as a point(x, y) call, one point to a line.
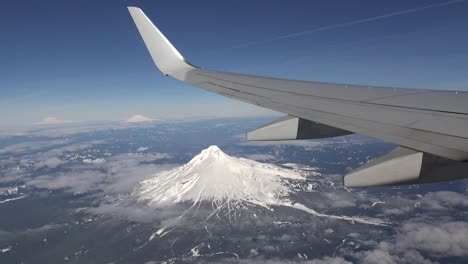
point(431, 122)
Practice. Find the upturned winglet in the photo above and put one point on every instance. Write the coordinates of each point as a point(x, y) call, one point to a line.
point(166, 57)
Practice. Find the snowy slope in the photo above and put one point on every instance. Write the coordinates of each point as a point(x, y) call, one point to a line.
point(230, 184)
point(214, 176)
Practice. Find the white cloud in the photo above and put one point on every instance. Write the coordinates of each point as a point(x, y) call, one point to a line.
point(431, 202)
point(51, 121)
point(415, 240)
point(94, 161)
point(40, 157)
point(448, 239)
point(141, 149)
point(52, 162)
point(139, 119)
point(260, 157)
point(386, 253)
point(328, 260)
point(117, 174)
point(444, 200)
point(325, 260)
point(30, 146)
point(76, 182)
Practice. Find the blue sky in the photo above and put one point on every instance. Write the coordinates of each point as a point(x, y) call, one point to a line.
point(85, 61)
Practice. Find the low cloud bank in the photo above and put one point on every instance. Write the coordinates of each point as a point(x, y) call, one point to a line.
point(51, 121)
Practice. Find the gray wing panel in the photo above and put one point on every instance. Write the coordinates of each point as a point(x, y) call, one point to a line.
point(411, 98)
point(416, 126)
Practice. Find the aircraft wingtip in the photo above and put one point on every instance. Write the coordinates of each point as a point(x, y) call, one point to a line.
point(133, 8)
point(164, 54)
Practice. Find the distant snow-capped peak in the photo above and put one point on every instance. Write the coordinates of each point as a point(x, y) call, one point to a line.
point(139, 119)
point(213, 175)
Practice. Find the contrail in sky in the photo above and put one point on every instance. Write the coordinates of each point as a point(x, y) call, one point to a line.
point(350, 23)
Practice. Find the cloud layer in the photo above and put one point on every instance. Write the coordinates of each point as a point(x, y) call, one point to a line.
point(51, 121)
point(428, 223)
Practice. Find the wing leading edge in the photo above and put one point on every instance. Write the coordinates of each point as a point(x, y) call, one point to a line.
point(426, 121)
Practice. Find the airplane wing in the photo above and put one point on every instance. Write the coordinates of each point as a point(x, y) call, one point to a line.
point(431, 127)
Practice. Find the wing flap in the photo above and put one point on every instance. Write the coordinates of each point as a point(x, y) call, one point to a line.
point(292, 128)
point(400, 166)
point(405, 166)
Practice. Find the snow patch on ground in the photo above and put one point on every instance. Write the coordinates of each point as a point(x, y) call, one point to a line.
point(10, 191)
point(196, 250)
point(376, 203)
point(94, 161)
point(12, 199)
point(300, 167)
point(141, 149)
point(4, 250)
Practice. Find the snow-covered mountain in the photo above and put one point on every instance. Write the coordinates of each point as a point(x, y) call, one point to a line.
point(212, 175)
point(229, 184)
